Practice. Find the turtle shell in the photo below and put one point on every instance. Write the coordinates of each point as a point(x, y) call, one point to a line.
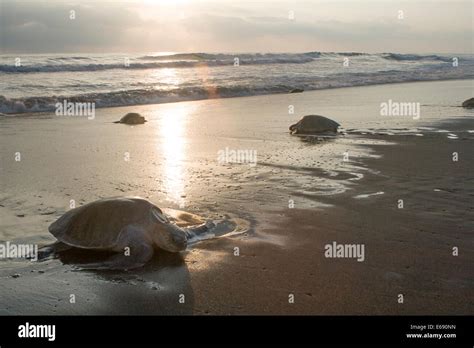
point(469, 103)
point(132, 118)
point(97, 225)
point(313, 124)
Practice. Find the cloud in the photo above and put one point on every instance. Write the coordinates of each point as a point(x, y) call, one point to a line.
point(45, 26)
point(54, 30)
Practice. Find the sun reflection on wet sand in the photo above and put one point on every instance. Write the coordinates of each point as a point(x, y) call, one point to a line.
point(173, 146)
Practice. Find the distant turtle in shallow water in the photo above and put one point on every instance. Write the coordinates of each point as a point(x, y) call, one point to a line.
point(132, 118)
point(314, 124)
point(469, 103)
point(115, 224)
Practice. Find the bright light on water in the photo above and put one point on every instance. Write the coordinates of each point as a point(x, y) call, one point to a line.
point(173, 146)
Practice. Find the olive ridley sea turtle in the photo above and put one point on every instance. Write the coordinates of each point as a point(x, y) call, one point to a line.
point(314, 124)
point(132, 118)
point(125, 223)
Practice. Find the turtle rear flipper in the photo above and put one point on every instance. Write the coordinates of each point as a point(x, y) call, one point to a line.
point(49, 251)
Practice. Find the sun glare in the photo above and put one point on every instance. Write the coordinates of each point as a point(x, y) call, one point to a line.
point(173, 146)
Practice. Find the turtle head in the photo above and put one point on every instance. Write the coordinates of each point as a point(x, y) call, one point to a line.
point(167, 235)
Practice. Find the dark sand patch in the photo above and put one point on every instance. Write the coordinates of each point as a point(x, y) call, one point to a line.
point(408, 251)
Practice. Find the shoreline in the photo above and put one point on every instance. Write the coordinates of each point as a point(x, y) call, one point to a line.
point(234, 97)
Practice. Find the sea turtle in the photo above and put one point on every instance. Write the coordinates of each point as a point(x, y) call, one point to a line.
point(132, 118)
point(314, 124)
point(468, 103)
point(130, 226)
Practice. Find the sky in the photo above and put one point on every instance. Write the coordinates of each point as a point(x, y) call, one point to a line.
point(412, 26)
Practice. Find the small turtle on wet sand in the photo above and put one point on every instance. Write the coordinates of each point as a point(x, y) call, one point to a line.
point(120, 224)
point(132, 118)
point(314, 124)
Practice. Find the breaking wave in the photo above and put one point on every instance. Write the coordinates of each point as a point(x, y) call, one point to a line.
point(193, 60)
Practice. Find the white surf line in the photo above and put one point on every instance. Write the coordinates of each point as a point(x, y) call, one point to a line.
point(366, 195)
point(357, 177)
point(452, 136)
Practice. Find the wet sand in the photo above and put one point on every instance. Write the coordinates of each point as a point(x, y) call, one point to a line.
point(407, 251)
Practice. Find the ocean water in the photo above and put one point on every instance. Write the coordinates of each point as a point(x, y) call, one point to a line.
point(36, 83)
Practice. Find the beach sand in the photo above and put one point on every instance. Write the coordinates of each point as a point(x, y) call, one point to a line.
point(172, 160)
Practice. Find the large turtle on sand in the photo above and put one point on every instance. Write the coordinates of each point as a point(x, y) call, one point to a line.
point(132, 118)
point(124, 224)
point(314, 124)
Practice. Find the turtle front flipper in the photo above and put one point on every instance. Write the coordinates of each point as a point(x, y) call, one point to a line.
point(293, 127)
point(194, 231)
point(135, 252)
